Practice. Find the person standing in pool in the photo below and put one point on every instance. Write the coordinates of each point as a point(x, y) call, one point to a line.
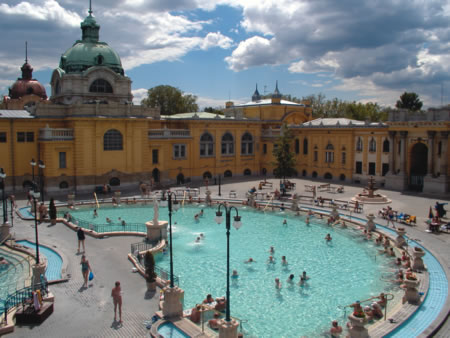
point(81, 239)
point(328, 238)
point(116, 295)
point(85, 268)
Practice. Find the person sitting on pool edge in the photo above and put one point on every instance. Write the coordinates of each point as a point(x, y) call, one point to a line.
point(196, 313)
point(221, 304)
point(208, 299)
point(214, 323)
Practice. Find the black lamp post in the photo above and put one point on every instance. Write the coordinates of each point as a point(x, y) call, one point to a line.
point(41, 178)
point(4, 202)
point(237, 224)
point(33, 164)
point(219, 186)
point(35, 195)
point(176, 205)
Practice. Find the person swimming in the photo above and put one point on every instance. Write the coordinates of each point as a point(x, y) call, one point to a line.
point(285, 222)
point(328, 238)
point(278, 284)
point(284, 261)
point(197, 240)
point(235, 274)
point(250, 260)
point(271, 260)
point(290, 279)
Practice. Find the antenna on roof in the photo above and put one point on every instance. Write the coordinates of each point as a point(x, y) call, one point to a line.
point(229, 95)
point(442, 94)
point(26, 51)
point(90, 7)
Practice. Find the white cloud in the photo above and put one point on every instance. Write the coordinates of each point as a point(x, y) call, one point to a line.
point(139, 95)
point(216, 40)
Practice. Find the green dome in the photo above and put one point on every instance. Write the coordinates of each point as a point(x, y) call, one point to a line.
point(90, 52)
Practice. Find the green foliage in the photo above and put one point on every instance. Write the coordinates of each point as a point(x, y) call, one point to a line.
point(213, 110)
point(149, 262)
point(409, 101)
point(284, 157)
point(335, 108)
point(171, 100)
point(52, 209)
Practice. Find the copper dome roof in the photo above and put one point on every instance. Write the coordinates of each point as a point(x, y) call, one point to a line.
point(26, 85)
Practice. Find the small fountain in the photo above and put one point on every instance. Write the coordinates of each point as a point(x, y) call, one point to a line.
point(369, 195)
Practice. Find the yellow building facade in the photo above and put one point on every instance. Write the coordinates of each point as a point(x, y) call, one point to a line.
point(89, 133)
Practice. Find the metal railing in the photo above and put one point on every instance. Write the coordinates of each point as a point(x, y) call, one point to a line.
point(23, 296)
point(142, 246)
point(108, 227)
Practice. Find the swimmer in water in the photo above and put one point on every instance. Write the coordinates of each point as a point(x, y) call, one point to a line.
point(272, 250)
point(284, 261)
point(95, 213)
point(202, 236)
point(234, 274)
point(108, 220)
point(290, 279)
point(271, 260)
point(305, 277)
point(250, 260)
point(302, 281)
point(285, 222)
point(307, 220)
point(278, 284)
point(328, 238)
point(197, 240)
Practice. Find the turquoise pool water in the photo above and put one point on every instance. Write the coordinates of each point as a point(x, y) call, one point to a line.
point(54, 260)
point(168, 330)
point(13, 275)
point(341, 272)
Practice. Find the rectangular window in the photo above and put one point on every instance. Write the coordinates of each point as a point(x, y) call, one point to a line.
point(30, 136)
point(179, 151)
point(62, 160)
point(372, 166)
point(155, 156)
point(329, 157)
point(265, 148)
point(399, 147)
point(275, 147)
point(2, 137)
point(20, 136)
point(439, 151)
point(343, 157)
point(358, 167)
point(385, 169)
point(316, 156)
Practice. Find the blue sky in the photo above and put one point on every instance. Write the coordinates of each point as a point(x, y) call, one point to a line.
point(219, 49)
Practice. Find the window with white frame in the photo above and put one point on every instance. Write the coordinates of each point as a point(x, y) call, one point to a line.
point(206, 145)
point(247, 144)
point(372, 145)
point(329, 153)
point(359, 144)
point(179, 151)
point(227, 144)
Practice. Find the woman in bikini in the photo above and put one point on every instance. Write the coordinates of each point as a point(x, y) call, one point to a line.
point(85, 268)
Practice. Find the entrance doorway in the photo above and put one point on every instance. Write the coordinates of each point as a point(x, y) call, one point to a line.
point(418, 166)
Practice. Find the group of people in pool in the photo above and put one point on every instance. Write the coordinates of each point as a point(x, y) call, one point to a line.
point(121, 221)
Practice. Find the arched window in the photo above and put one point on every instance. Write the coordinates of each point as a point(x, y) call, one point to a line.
point(227, 173)
point(297, 146)
point(100, 86)
point(227, 144)
point(342, 177)
point(207, 175)
point(304, 173)
point(247, 144)
point(328, 176)
point(372, 145)
point(359, 144)
point(112, 140)
point(247, 172)
point(206, 145)
point(314, 174)
point(386, 146)
point(316, 154)
point(329, 153)
point(114, 182)
point(305, 146)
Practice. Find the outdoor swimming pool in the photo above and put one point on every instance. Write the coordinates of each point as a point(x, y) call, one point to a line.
point(346, 270)
point(13, 275)
point(54, 260)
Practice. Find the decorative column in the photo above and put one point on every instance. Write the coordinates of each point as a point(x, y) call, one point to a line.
point(334, 213)
point(431, 134)
point(356, 328)
point(294, 206)
point(370, 225)
point(228, 329)
point(38, 270)
point(392, 152)
point(172, 305)
point(403, 155)
point(117, 196)
point(444, 156)
point(411, 293)
point(400, 240)
point(418, 253)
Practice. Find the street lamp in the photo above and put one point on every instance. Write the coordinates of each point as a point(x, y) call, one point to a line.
point(35, 195)
point(41, 178)
point(33, 164)
point(236, 224)
point(5, 205)
point(176, 206)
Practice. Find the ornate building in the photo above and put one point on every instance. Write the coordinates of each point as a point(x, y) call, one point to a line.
point(89, 133)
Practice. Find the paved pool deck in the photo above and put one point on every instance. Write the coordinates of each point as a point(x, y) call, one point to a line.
point(89, 313)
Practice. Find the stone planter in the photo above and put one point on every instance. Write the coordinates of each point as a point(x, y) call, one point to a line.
point(400, 240)
point(117, 195)
point(356, 328)
point(411, 293)
point(172, 305)
point(417, 254)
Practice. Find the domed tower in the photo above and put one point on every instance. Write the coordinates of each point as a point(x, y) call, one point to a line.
point(25, 91)
point(90, 71)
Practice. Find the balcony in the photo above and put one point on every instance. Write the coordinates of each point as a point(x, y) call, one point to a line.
point(56, 134)
point(270, 133)
point(169, 134)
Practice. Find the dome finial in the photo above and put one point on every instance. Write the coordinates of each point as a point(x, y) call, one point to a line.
point(90, 8)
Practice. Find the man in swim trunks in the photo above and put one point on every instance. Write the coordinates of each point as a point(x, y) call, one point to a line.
point(117, 300)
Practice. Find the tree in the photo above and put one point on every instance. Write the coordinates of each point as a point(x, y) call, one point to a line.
point(285, 159)
point(213, 110)
point(409, 101)
point(170, 100)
